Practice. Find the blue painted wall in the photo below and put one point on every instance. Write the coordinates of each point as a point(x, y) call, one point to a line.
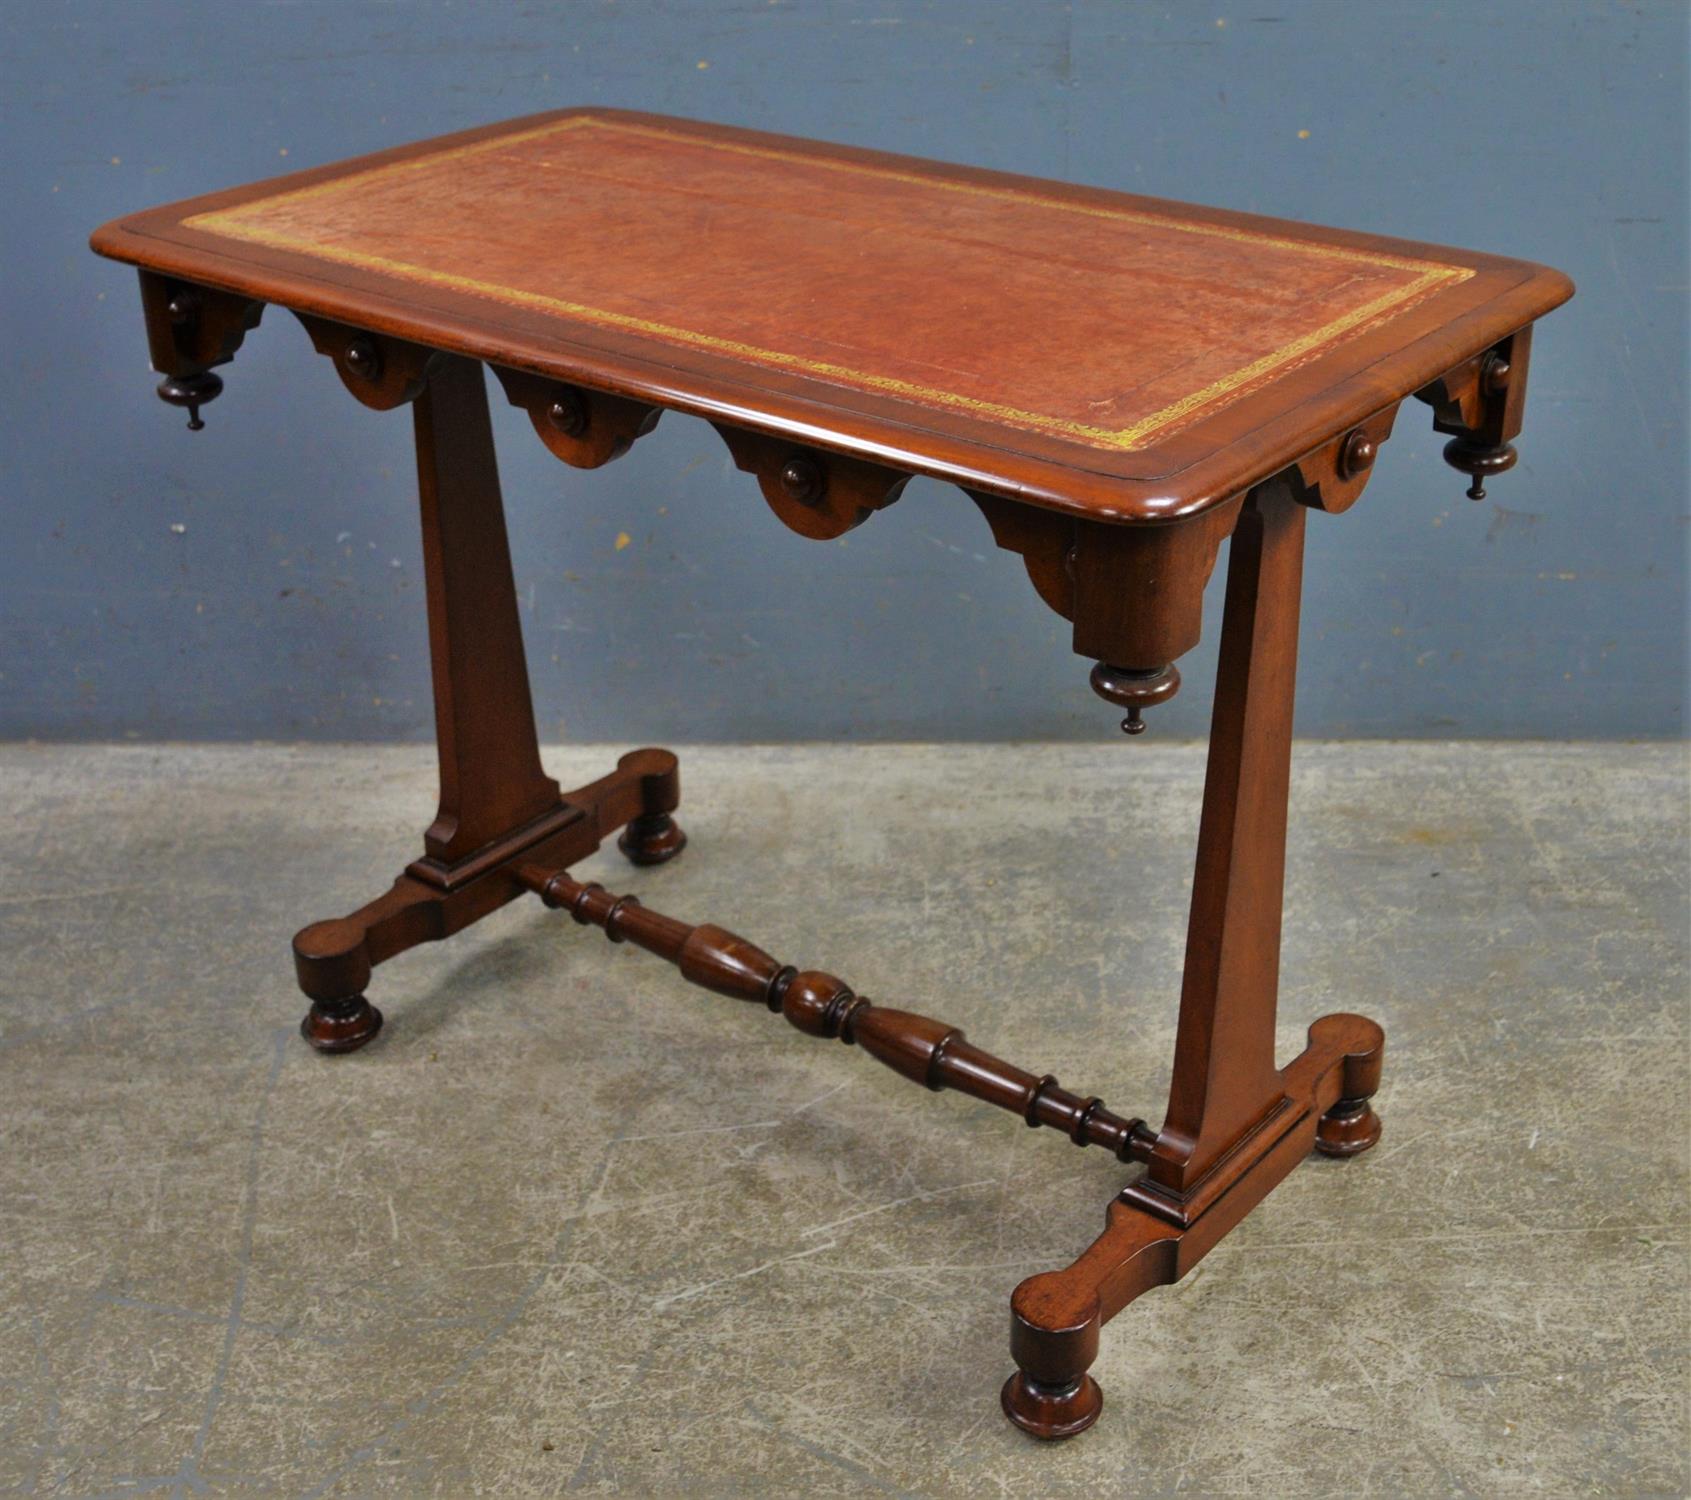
point(262, 578)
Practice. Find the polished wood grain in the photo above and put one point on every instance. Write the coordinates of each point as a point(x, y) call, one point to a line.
point(1224, 1073)
point(1121, 385)
point(1119, 357)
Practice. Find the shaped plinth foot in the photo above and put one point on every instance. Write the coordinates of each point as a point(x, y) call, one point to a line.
point(335, 1026)
point(1349, 1128)
point(432, 900)
point(1051, 1412)
point(1153, 1236)
point(652, 839)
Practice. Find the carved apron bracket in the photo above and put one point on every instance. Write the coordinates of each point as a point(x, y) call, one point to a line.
point(1481, 403)
point(382, 372)
point(1134, 593)
point(189, 329)
point(1333, 477)
point(1043, 539)
point(587, 429)
point(819, 495)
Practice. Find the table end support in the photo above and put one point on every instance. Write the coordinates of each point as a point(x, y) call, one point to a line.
point(1236, 1124)
point(499, 812)
point(1152, 1238)
point(334, 959)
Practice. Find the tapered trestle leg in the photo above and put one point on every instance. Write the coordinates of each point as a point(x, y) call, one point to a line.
point(497, 805)
point(1236, 1124)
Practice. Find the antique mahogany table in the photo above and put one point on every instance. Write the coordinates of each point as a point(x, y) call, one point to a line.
point(1119, 384)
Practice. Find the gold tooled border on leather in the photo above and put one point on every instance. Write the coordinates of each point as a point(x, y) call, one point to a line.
point(234, 223)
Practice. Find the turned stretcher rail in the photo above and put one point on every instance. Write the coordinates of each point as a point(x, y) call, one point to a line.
point(924, 1050)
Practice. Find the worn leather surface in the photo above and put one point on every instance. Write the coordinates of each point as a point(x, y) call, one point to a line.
point(1106, 325)
point(1120, 358)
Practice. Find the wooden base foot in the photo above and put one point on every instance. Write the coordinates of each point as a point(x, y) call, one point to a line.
point(432, 899)
point(335, 1026)
point(1349, 1128)
point(1153, 1236)
point(652, 839)
point(1051, 1412)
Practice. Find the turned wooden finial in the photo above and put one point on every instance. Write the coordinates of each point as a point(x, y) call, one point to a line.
point(1480, 404)
point(190, 329)
point(1135, 689)
point(192, 392)
point(1357, 455)
point(1479, 460)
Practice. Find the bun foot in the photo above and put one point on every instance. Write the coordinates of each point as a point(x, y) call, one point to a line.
point(340, 1025)
point(1349, 1128)
point(652, 839)
point(1051, 1412)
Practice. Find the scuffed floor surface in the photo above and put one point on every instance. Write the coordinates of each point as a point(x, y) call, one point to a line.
point(571, 1225)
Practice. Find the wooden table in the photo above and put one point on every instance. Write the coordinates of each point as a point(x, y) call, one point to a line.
point(1119, 384)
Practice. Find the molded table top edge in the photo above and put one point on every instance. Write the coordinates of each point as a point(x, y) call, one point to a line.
point(1291, 401)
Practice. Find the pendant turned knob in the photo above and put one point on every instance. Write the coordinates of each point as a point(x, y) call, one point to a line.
point(568, 413)
point(364, 359)
point(803, 479)
point(1481, 460)
point(191, 391)
point(1357, 454)
point(1135, 689)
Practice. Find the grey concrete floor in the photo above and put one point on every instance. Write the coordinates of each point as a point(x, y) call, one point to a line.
point(572, 1225)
